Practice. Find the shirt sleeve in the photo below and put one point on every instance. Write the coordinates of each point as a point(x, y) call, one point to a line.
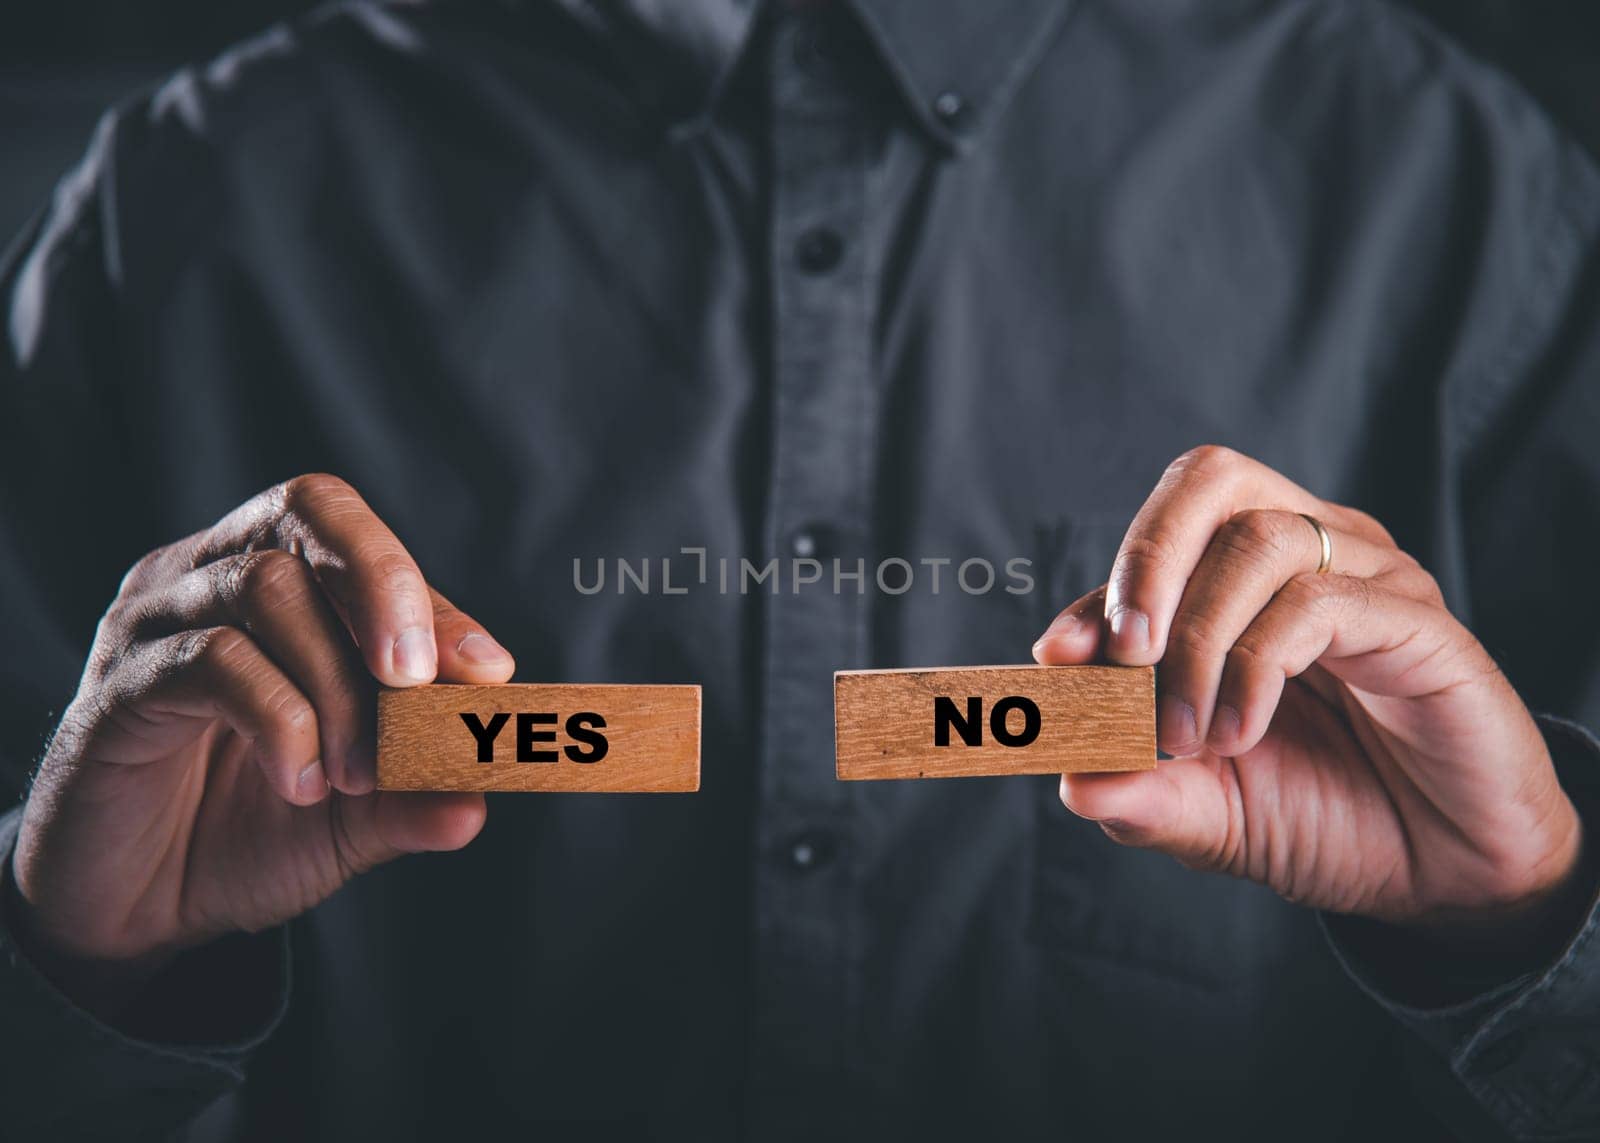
point(79, 1078)
point(77, 510)
point(74, 500)
point(1521, 511)
point(1526, 1045)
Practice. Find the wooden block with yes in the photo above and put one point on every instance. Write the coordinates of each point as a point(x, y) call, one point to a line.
point(967, 721)
point(556, 737)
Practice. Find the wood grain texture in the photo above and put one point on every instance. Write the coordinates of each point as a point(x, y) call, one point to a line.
point(651, 738)
point(1089, 718)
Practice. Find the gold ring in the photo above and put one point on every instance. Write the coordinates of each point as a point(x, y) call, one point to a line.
point(1325, 564)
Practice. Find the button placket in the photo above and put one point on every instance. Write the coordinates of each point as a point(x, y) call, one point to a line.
point(806, 981)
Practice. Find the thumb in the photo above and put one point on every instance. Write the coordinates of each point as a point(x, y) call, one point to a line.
point(1173, 808)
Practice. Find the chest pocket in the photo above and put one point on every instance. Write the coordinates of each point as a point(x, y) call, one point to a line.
point(1140, 911)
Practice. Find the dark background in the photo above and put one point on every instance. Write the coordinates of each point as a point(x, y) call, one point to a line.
point(63, 61)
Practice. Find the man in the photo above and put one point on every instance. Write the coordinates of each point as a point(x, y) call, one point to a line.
point(484, 293)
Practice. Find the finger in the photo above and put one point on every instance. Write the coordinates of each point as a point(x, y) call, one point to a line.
point(1180, 808)
point(388, 824)
point(467, 652)
point(272, 596)
point(365, 570)
point(174, 686)
point(1203, 812)
point(1359, 630)
point(1198, 492)
point(1236, 817)
point(428, 823)
point(1074, 637)
point(1251, 556)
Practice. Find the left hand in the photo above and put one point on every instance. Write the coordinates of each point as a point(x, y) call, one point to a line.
point(1340, 737)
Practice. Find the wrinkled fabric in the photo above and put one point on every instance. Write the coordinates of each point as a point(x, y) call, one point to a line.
point(556, 286)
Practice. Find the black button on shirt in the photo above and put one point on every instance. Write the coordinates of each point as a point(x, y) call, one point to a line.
point(557, 282)
point(819, 250)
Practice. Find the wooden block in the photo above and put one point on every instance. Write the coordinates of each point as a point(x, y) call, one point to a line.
point(965, 721)
point(577, 738)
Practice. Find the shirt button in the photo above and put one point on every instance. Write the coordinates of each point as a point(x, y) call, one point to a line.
point(803, 544)
point(950, 107)
point(810, 852)
point(819, 250)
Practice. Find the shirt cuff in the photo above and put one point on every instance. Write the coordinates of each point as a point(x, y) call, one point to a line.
point(1527, 1046)
point(74, 1076)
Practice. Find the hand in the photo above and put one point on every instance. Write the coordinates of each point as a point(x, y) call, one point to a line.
point(1340, 737)
point(186, 793)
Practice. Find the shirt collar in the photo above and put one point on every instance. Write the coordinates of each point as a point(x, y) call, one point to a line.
point(956, 63)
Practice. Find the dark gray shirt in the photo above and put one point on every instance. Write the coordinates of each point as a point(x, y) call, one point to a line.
point(861, 289)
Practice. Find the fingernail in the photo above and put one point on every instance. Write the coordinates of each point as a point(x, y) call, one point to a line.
point(1177, 719)
point(478, 648)
point(312, 784)
point(1131, 629)
point(415, 657)
point(1224, 726)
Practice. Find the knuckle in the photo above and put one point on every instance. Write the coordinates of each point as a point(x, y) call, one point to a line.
point(1308, 592)
point(1418, 579)
point(1256, 533)
point(108, 651)
point(303, 494)
point(288, 709)
point(270, 576)
point(393, 573)
point(142, 573)
point(1353, 591)
point(1367, 522)
point(1405, 563)
point(1332, 599)
point(1147, 550)
point(1205, 461)
point(1250, 656)
point(126, 626)
point(123, 619)
point(1192, 639)
point(212, 649)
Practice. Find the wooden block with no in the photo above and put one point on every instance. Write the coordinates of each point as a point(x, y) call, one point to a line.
point(968, 721)
point(540, 737)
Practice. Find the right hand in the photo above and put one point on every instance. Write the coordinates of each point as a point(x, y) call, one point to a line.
point(215, 771)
